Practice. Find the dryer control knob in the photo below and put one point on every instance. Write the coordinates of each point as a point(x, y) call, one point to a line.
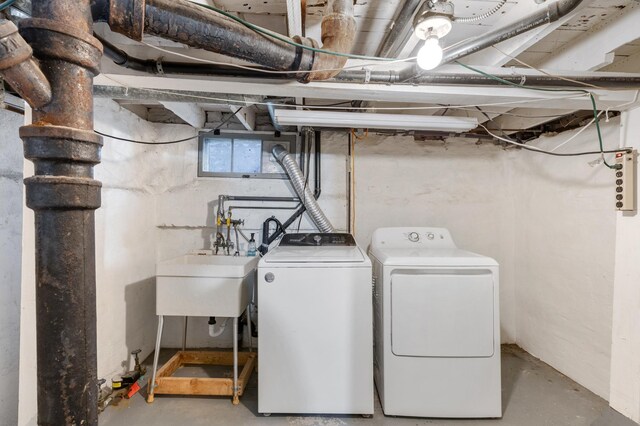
point(430, 236)
point(414, 236)
point(269, 277)
point(317, 239)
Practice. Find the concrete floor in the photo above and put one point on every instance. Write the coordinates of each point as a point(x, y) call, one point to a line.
point(532, 392)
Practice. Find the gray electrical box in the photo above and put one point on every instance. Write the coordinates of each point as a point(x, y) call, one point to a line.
point(626, 178)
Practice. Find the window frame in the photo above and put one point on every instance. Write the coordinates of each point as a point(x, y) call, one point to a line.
point(291, 137)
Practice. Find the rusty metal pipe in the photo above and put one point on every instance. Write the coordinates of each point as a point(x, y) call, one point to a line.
point(338, 35)
point(195, 26)
point(64, 195)
point(19, 69)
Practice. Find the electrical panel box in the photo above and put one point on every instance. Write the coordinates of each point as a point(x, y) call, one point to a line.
point(626, 177)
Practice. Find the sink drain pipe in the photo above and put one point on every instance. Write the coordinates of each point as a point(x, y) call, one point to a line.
point(302, 189)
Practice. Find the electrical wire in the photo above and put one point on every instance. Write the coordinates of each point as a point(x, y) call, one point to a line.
point(145, 142)
point(226, 120)
point(542, 151)
point(266, 71)
point(543, 89)
point(6, 4)
point(593, 86)
point(280, 37)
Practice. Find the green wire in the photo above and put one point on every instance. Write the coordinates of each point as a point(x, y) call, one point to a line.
point(264, 31)
point(542, 89)
point(6, 4)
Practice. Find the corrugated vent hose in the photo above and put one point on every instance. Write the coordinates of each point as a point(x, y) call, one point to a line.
point(298, 181)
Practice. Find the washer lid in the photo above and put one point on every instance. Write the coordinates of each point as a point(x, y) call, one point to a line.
point(430, 257)
point(322, 254)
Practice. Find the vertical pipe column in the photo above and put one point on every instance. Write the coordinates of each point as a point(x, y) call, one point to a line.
point(64, 195)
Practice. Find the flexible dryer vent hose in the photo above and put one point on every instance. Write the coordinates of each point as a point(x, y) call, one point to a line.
point(298, 181)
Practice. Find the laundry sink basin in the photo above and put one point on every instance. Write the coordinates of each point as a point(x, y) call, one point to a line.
point(205, 285)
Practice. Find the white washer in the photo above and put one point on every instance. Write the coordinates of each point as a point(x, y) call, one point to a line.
point(436, 326)
point(315, 327)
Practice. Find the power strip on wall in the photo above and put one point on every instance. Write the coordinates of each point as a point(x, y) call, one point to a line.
point(626, 178)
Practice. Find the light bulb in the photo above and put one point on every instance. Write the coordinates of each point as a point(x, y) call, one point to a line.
point(430, 54)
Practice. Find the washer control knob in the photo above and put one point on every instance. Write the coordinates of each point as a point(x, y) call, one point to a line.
point(317, 239)
point(430, 236)
point(414, 236)
point(269, 277)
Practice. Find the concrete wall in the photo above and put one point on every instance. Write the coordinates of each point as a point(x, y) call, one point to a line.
point(10, 252)
point(549, 222)
point(625, 348)
point(187, 206)
point(564, 257)
point(459, 185)
point(126, 243)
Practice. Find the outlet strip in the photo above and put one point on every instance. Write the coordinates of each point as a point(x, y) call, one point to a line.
point(626, 178)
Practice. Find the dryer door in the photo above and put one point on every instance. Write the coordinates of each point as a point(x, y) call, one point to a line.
point(442, 312)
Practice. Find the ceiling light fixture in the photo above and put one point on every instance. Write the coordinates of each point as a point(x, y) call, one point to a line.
point(432, 23)
point(292, 117)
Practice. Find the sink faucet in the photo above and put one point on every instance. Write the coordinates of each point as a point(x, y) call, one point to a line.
point(219, 242)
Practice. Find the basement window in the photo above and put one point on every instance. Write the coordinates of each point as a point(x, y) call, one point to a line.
point(243, 154)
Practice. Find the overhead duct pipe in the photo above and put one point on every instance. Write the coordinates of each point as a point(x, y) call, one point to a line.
point(199, 27)
point(302, 189)
point(19, 69)
point(549, 14)
point(515, 75)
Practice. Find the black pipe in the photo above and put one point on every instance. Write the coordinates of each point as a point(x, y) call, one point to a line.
point(64, 194)
point(153, 66)
point(264, 248)
point(400, 31)
point(258, 198)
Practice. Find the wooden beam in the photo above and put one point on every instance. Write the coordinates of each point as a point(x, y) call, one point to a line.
point(595, 48)
point(194, 386)
point(214, 358)
point(246, 115)
point(191, 113)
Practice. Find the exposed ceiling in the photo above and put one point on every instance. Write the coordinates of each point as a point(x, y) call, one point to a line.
point(598, 36)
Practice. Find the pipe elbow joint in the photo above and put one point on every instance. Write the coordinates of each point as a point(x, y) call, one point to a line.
point(19, 69)
point(338, 35)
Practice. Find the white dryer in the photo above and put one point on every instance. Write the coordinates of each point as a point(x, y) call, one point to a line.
point(436, 326)
point(316, 327)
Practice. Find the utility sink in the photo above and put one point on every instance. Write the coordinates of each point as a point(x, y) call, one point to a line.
point(205, 285)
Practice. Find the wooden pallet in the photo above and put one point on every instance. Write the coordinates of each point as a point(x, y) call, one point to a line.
point(168, 385)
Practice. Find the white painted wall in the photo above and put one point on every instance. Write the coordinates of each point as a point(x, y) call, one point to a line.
point(187, 206)
point(459, 185)
point(10, 251)
point(549, 222)
point(126, 242)
point(564, 257)
point(625, 348)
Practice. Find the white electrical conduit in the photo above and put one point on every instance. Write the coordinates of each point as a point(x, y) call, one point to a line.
point(469, 19)
point(302, 189)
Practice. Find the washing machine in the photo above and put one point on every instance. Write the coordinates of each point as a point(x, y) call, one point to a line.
point(436, 326)
point(315, 345)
